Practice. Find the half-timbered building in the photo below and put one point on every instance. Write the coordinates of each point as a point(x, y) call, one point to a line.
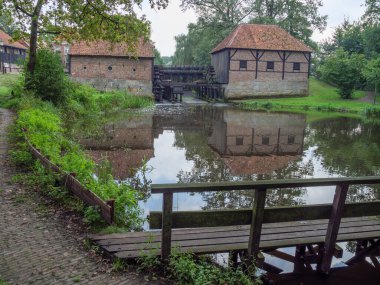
point(12, 53)
point(260, 61)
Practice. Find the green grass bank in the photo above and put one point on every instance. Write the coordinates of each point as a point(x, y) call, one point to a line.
point(322, 97)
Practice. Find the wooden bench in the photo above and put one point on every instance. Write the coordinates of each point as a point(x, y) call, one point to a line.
point(245, 232)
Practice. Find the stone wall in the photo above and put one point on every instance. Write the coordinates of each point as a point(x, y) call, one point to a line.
point(244, 84)
point(120, 73)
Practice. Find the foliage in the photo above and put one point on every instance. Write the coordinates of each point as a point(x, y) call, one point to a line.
point(47, 20)
point(92, 215)
point(49, 80)
point(157, 57)
point(372, 72)
point(118, 265)
point(216, 19)
point(6, 23)
point(343, 70)
point(184, 269)
point(43, 124)
point(372, 12)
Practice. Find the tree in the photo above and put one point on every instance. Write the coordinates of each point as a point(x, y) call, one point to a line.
point(110, 20)
point(372, 12)
point(157, 57)
point(6, 24)
point(299, 17)
point(343, 70)
point(372, 74)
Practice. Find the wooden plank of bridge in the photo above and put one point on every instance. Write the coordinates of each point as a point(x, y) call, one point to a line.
point(224, 239)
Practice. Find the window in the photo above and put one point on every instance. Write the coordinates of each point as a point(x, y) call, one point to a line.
point(110, 68)
point(265, 140)
point(243, 64)
point(239, 140)
point(296, 66)
point(291, 139)
point(270, 65)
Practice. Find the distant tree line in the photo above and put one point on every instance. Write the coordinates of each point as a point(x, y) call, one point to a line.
point(216, 19)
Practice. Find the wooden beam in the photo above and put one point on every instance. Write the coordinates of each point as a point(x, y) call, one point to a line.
point(213, 218)
point(257, 222)
point(333, 227)
point(269, 184)
point(166, 226)
point(362, 254)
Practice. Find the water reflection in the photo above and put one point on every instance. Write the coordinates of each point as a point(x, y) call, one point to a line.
point(207, 144)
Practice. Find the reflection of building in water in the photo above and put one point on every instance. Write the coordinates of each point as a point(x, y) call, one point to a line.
point(135, 132)
point(124, 162)
point(251, 142)
point(125, 144)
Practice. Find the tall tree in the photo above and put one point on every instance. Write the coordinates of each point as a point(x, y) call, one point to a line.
point(6, 24)
point(372, 12)
point(299, 17)
point(111, 20)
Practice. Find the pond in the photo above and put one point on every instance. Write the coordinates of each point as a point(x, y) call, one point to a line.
point(190, 144)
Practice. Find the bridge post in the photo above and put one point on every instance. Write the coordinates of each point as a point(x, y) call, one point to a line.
point(167, 213)
point(256, 223)
point(333, 228)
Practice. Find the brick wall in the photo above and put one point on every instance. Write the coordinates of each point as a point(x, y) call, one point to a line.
point(105, 73)
point(243, 83)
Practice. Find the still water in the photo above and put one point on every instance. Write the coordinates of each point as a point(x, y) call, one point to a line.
point(177, 144)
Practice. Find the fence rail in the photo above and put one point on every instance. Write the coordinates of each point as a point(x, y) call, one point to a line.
point(259, 215)
point(107, 209)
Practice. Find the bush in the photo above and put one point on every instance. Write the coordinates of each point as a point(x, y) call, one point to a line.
point(49, 81)
point(344, 71)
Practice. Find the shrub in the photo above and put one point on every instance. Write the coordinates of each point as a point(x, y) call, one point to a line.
point(49, 80)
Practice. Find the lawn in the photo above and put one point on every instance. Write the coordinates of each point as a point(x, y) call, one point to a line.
point(6, 81)
point(322, 97)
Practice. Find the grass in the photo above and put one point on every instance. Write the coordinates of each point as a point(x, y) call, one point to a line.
point(6, 81)
point(2, 282)
point(322, 97)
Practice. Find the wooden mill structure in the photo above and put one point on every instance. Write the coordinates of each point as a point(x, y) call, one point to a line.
point(170, 82)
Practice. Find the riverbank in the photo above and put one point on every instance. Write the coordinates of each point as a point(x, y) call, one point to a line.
point(41, 241)
point(322, 97)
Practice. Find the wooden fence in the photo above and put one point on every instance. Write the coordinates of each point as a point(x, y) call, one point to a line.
point(107, 209)
point(258, 215)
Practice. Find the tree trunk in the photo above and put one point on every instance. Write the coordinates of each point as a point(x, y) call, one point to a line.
point(33, 45)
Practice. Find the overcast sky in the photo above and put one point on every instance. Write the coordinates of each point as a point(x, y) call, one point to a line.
point(173, 21)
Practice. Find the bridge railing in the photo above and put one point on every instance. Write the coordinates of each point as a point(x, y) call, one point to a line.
point(258, 214)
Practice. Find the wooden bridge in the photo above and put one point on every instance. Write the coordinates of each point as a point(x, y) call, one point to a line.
point(313, 230)
point(170, 82)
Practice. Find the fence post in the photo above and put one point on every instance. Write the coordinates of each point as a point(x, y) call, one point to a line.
point(167, 211)
point(256, 223)
point(333, 228)
point(111, 203)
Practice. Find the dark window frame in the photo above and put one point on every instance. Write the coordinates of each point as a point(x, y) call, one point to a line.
point(270, 65)
point(296, 67)
point(291, 139)
point(243, 64)
point(265, 140)
point(239, 140)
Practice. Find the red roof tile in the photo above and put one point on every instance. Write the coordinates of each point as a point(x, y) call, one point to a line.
point(6, 39)
point(264, 37)
point(103, 48)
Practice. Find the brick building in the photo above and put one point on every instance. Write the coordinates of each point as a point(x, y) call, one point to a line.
point(11, 54)
point(262, 60)
point(112, 67)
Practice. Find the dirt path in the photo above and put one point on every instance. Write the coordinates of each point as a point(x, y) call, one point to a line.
point(37, 245)
point(369, 97)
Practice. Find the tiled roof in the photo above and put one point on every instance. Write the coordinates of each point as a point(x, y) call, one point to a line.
point(6, 39)
point(104, 48)
point(264, 37)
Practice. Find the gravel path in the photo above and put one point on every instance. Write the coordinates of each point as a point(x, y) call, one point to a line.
point(37, 244)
